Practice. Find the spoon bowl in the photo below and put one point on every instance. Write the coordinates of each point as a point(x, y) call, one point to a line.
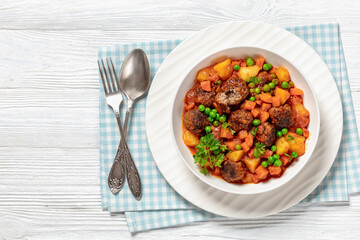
point(135, 75)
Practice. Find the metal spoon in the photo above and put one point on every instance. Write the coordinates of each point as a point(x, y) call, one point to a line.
point(134, 82)
point(134, 79)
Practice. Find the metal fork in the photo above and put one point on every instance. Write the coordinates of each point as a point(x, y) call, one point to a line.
point(123, 158)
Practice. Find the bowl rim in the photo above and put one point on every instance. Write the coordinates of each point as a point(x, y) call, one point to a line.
point(314, 136)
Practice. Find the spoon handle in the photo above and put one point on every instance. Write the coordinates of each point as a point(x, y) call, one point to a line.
point(129, 109)
point(132, 174)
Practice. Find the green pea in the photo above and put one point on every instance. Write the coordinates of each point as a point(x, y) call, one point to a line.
point(216, 123)
point(249, 61)
point(273, 148)
point(236, 67)
point(211, 119)
point(216, 151)
point(222, 118)
point(284, 131)
point(256, 122)
point(252, 98)
point(252, 90)
point(279, 134)
point(214, 110)
point(271, 159)
point(277, 163)
point(273, 75)
point(207, 110)
point(265, 164)
point(257, 90)
point(271, 85)
point(201, 108)
point(266, 88)
point(299, 131)
point(217, 116)
point(275, 81)
point(285, 85)
point(252, 85)
point(267, 66)
point(207, 129)
point(291, 84)
point(238, 147)
point(271, 92)
point(275, 156)
point(294, 154)
point(219, 82)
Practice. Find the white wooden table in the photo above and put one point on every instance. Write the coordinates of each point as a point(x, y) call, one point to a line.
point(49, 141)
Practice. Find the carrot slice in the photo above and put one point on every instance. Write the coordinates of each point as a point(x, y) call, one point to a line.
point(266, 97)
point(296, 91)
point(266, 106)
point(255, 112)
point(261, 172)
point(285, 160)
point(249, 140)
point(249, 105)
point(275, 171)
point(231, 144)
point(306, 132)
point(225, 133)
point(264, 117)
point(251, 153)
point(276, 101)
point(206, 86)
point(242, 134)
point(245, 147)
point(260, 61)
point(267, 153)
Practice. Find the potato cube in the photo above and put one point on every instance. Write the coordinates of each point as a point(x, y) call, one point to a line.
point(246, 72)
point(252, 163)
point(235, 156)
point(297, 144)
point(224, 69)
point(300, 109)
point(283, 74)
point(190, 139)
point(282, 146)
point(206, 74)
point(283, 94)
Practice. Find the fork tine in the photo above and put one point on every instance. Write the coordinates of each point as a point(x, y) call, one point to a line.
point(116, 78)
point(107, 79)
point(111, 76)
point(102, 78)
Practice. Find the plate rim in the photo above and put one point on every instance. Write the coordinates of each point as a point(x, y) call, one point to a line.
point(308, 47)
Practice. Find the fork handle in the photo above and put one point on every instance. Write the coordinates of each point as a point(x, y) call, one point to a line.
point(132, 174)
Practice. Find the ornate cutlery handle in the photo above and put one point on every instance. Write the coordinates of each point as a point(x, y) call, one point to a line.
point(126, 159)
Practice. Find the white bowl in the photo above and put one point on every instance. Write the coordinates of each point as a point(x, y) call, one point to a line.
point(310, 103)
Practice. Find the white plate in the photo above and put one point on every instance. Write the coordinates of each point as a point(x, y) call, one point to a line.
point(174, 69)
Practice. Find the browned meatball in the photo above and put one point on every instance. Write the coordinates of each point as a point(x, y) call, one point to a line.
point(232, 171)
point(204, 97)
point(232, 93)
point(240, 120)
point(281, 116)
point(266, 133)
point(265, 78)
point(196, 121)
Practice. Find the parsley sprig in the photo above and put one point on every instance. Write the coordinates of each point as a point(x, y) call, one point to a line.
point(204, 156)
point(255, 80)
point(259, 149)
point(226, 125)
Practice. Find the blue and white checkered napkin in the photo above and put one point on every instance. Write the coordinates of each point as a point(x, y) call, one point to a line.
point(161, 206)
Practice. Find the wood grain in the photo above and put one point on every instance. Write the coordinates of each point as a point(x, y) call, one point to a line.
point(49, 143)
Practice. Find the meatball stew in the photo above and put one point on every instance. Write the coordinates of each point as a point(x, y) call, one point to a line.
point(244, 120)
